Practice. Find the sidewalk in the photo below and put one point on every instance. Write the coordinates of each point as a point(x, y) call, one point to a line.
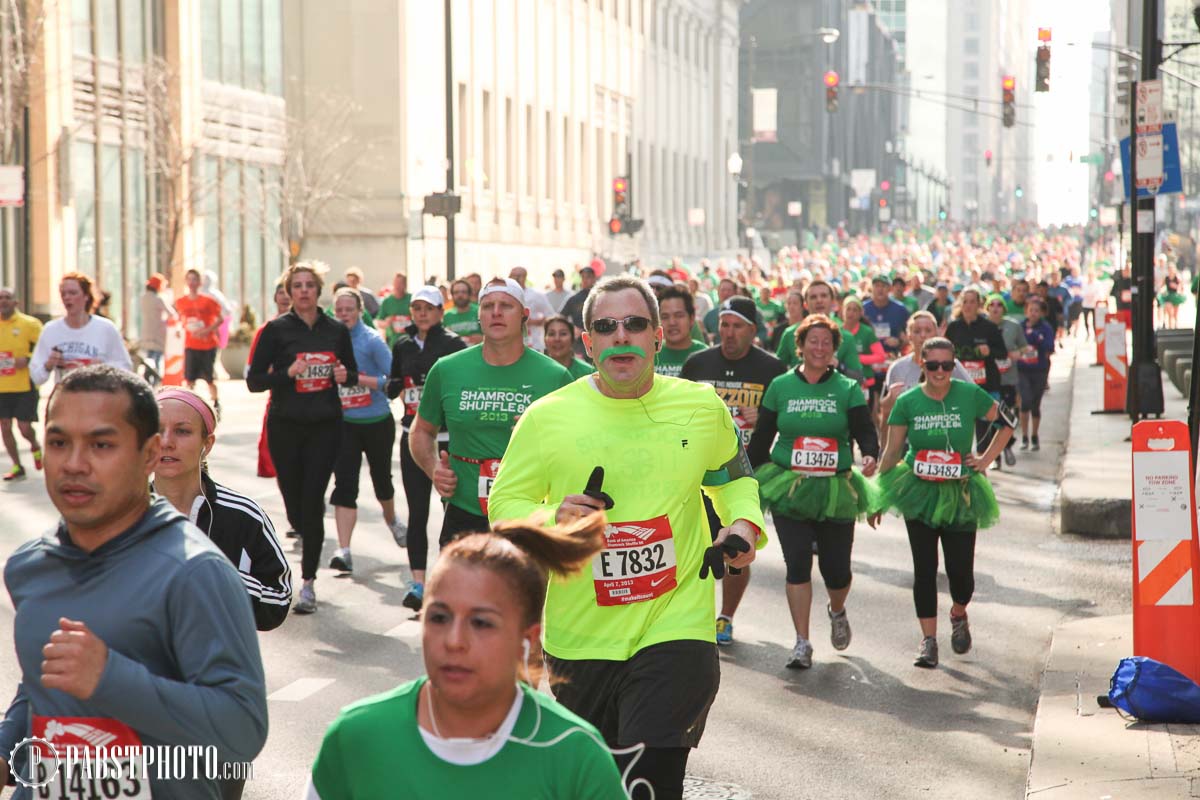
point(1097, 468)
point(1084, 752)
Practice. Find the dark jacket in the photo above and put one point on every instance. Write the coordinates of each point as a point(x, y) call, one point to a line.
point(411, 363)
point(312, 396)
point(968, 337)
point(243, 531)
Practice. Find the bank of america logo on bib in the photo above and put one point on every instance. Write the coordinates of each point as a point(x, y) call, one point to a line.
point(636, 531)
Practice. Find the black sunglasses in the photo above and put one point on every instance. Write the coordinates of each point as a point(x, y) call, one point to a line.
point(934, 366)
point(607, 325)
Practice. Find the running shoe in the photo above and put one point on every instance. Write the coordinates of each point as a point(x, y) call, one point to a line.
point(724, 631)
point(307, 604)
point(414, 598)
point(839, 628)
point(1010, 458)
point(801, 657)
point(927, 654)
point(341, 560)
point(1024, 442)
point(1036, 444)
point(399, 532)
point(37, 459)
point(960, 636)
point(15, 474)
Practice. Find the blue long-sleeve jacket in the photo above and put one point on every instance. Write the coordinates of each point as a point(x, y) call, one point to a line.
point(1041, 339)
point(375, 359)
point(183, 666)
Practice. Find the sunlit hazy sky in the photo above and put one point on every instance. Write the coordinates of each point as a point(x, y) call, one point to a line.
point(1062, 114)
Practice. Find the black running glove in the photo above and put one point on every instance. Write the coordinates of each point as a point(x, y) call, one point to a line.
point(594, 491)
point(714, 557)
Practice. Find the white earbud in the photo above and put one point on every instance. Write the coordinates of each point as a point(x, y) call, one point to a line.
point(526, 646)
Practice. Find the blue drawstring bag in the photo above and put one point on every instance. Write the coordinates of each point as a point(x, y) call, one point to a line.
point(1154, 692)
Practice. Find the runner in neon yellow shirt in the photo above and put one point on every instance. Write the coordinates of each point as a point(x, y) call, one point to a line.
point(643, 607)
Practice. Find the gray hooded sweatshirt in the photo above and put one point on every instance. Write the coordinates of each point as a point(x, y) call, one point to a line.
point(183, 667)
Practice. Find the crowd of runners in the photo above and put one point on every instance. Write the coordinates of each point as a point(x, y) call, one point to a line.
point(638, 438)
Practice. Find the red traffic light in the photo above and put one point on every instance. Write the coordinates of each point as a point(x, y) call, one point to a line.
point(987, 154)
point(1043, 34)
point(885, 185)
point(1008, 83)
point(831, 79)
point(620, 185)
point(614, 225)
point(1109, 176)
point(883, 202)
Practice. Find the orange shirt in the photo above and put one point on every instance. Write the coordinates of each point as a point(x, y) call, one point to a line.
point(196, 313)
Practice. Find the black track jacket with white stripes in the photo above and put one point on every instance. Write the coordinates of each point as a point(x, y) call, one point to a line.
point(244, 533)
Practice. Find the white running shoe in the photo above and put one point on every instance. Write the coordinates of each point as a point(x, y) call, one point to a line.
point(802, 653)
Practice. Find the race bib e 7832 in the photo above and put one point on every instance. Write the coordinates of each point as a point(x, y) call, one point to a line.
point(637, 562)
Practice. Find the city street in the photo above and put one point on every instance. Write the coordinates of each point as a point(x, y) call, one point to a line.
point(863, 723)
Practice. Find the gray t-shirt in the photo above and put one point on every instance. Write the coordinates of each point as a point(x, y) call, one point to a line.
point(906, 371)
point(1014, 340)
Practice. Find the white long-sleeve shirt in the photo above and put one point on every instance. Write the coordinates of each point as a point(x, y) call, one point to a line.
point(97, 342)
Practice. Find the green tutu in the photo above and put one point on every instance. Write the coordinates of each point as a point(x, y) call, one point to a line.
point(844, 496)
point(1174, 298)
point(954, 505)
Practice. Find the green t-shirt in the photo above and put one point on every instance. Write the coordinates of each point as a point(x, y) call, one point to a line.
point(847, 352)
point(464, 323)
point(669, 361)
point(657, 452)
point(863, 338)
point(579, 368)
point(771, 312)
point(374, 750)
point(394, 316)
point(909, 302)
point(947, 424)
point(479, 404)
point(1014, 311)
point(812, 411)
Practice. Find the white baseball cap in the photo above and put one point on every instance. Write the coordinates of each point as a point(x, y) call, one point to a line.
point(429, 294)
point(509, 287)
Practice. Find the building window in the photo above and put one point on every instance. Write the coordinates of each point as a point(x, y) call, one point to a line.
point(81, 27)
point(273, 47)
point(231, 42)
point(231, 238)
point(210, 39)
point(530, 154)
point(137, 257)
point(970, 46)
point(133, 31)
point(108, 37)
point(510, 146)
point(464, 163)
point(584, 172)
point(548, 180)
point(252, 44)
point(971, 70)
point(568, 167)
point(212, 215)
point(486, 139)
point(255, 260)
point(109, 271)
point(601, 177)
point(83, 184)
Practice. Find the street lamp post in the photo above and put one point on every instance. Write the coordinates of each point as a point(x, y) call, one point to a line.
point(735, 165)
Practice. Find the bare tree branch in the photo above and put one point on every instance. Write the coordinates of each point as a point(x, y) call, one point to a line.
point(22, 25)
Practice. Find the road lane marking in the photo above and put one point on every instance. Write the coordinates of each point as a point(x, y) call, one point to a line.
point(300, 689)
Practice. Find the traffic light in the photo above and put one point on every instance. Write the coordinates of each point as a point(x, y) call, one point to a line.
point(987, 157)
point(1095, 212)
point(831, 91)
point(620, 212)
point(942, 213)
point(1042, 81)
point(1008, 93)
point(1019, 192)
point(1127, 72)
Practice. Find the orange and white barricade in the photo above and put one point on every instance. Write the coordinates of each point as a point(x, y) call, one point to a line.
point(1116, 365)
point(1166, 622)
point(173, 355)
point(1101, 317)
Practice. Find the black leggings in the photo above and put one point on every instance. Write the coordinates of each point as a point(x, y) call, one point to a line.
point(1033, 386)
point(1089, 320)
point(959, 549)
point(834, 539)
point(304, 454)
point(662, 767)
point(375, 440)
point(417, 487)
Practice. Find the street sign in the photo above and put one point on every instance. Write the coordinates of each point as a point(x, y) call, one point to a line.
point(862, 181)
point(1150, 161)
point(1172, 175)
point(885, 215)
point(795, 208)
point(1108, 216)
point(1148, 107)
point(695, 217)
point(12, 187)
